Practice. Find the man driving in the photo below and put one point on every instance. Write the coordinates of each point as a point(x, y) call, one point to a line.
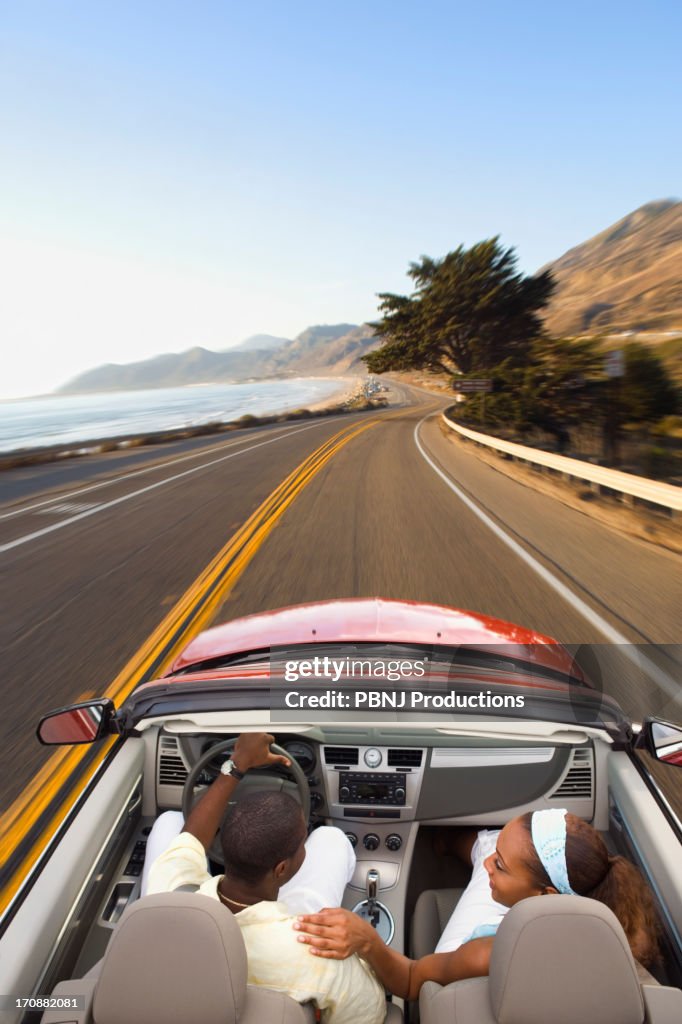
point(271, 875)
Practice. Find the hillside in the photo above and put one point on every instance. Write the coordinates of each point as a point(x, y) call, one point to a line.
point(327, 349)
point(627, 278)
point(195, 366)
point(320, 350)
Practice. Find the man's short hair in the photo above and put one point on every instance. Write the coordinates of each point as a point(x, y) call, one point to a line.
point(263, 829)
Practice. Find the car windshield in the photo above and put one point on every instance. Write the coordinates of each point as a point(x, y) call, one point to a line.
point(394, 682)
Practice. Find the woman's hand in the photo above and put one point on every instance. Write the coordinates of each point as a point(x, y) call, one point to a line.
point(336, 934)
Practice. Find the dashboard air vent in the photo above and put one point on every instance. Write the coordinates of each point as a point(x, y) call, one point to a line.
point(341, 755)
point(404, 758)
point(579, 779)
point(172, 770)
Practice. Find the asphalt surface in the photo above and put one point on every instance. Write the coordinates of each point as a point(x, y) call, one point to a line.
point(77, 471)
point(91, 565)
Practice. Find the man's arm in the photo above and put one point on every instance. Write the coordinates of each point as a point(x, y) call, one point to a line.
point(251, 750)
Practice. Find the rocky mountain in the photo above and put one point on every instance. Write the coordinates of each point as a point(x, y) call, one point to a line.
point(627, 278)
point(320, 350)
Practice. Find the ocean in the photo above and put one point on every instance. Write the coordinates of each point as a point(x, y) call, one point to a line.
point(73, 419)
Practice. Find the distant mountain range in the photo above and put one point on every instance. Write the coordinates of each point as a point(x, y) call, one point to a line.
point(627, 278)
point(321, 350)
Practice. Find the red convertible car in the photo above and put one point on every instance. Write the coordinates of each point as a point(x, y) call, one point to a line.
point(402, 721)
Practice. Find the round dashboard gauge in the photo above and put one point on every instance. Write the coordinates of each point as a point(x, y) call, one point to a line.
point(372, 757)
point(302, 752)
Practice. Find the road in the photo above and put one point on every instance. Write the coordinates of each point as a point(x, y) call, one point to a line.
point(399, 509)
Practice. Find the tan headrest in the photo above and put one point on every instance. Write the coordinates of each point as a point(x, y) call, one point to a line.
point(563, 959)
point(174, 958)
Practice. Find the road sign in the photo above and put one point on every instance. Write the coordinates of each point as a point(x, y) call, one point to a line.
point(614, 363)
point(482, 384)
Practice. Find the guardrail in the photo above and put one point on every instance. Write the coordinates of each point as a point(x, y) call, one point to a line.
point(632, 487)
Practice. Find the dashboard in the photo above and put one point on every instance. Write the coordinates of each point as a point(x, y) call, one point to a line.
point(382, 786)
point(432, 778)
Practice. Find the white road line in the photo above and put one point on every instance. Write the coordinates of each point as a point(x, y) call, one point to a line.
point(666, 682)
point(66, 507)
point(143, 490)
point(66, 495)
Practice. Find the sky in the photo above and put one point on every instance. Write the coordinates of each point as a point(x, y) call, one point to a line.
point(191, 174)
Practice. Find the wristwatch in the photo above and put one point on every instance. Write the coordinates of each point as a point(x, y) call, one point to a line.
point(230, 768)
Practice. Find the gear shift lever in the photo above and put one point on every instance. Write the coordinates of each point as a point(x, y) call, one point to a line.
point(372, 910)
point(371, 889)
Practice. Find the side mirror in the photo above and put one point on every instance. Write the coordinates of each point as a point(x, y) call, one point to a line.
point(663, 740)
point(79, 723)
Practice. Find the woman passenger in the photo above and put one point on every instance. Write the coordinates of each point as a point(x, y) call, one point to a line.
point(536, 854)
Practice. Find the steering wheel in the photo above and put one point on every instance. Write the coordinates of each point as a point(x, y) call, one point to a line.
point(215, 850)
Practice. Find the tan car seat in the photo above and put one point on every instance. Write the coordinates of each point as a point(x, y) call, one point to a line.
point(175, 958)
point(563, 959)
point(178, 958)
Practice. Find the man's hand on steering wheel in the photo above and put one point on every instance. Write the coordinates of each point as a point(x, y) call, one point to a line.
point(252, 750)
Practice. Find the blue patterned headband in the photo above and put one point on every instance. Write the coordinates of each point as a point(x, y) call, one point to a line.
point(548, 830)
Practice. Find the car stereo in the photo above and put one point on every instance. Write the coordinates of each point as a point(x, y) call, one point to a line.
point(372, 788)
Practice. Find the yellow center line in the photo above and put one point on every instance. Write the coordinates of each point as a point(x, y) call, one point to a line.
point(258, 539)
point(189, 598)
point(260, 524)
point(241, 548)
